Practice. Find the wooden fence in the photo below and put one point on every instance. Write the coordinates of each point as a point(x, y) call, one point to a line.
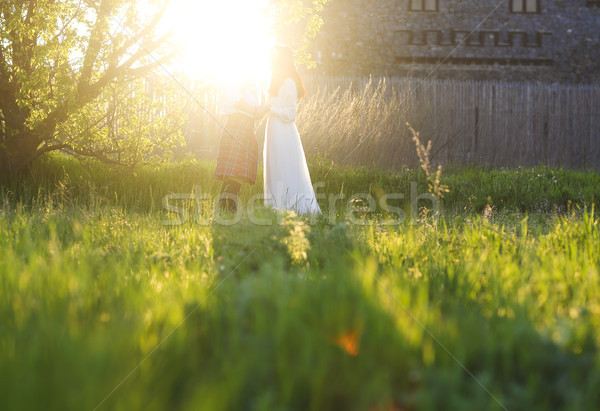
point(469, 122)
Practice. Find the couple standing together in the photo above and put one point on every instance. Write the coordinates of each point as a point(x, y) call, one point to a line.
point(287, 184)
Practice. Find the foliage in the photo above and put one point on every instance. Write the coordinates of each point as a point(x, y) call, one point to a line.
point(296, 23)
point(97, 294)
point(66, 68)
point(81, 77)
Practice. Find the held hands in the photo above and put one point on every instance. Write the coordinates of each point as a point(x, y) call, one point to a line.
point(261, 111)
point(257, 112)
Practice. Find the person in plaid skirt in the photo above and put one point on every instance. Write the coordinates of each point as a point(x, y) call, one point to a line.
point(237, 161)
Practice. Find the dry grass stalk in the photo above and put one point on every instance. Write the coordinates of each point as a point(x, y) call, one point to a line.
point(423, 152)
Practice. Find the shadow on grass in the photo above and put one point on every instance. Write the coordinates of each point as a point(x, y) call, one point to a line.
point(279, 336)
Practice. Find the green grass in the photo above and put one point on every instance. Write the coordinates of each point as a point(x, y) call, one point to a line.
point(495, 303)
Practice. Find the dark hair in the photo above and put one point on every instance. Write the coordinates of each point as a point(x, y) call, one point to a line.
point(283, 67)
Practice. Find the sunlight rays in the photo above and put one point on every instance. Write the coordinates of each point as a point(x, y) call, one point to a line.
point(221, 40)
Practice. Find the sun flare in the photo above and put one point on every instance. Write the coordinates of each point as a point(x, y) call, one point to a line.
point(222, 40)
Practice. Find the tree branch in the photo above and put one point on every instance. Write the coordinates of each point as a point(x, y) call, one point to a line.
point(99, 155)
point(95, 42)
point(29, 41)
point(143, 70)
point(86, 91)
point(14, 117)
point(29, 15)
point(68, 22)
point(141, 35)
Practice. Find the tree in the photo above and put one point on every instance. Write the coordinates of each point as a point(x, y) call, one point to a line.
point(58, 61)
point(296, 23)
point(74, 71)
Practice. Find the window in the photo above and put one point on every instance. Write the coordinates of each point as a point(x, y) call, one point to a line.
point(525, 6)
point(423, 5)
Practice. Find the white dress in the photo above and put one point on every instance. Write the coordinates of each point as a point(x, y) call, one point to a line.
point(287, 180)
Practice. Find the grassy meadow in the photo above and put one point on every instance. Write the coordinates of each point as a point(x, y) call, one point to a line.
point(492, 303)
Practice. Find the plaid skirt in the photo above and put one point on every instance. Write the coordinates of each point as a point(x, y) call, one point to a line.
point(238, 150)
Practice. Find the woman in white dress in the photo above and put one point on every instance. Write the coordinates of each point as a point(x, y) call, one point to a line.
point(287, 180)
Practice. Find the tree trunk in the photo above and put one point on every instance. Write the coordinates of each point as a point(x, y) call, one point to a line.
point(17, 153)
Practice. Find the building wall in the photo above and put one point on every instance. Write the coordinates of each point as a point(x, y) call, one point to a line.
point(470, 39)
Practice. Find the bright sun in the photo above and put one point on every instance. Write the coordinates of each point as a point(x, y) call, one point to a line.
point(222, 39)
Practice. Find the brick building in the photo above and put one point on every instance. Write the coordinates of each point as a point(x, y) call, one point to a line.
point(549, 40)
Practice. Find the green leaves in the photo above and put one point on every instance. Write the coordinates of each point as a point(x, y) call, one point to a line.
point(296, 23)
point(59, 58)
